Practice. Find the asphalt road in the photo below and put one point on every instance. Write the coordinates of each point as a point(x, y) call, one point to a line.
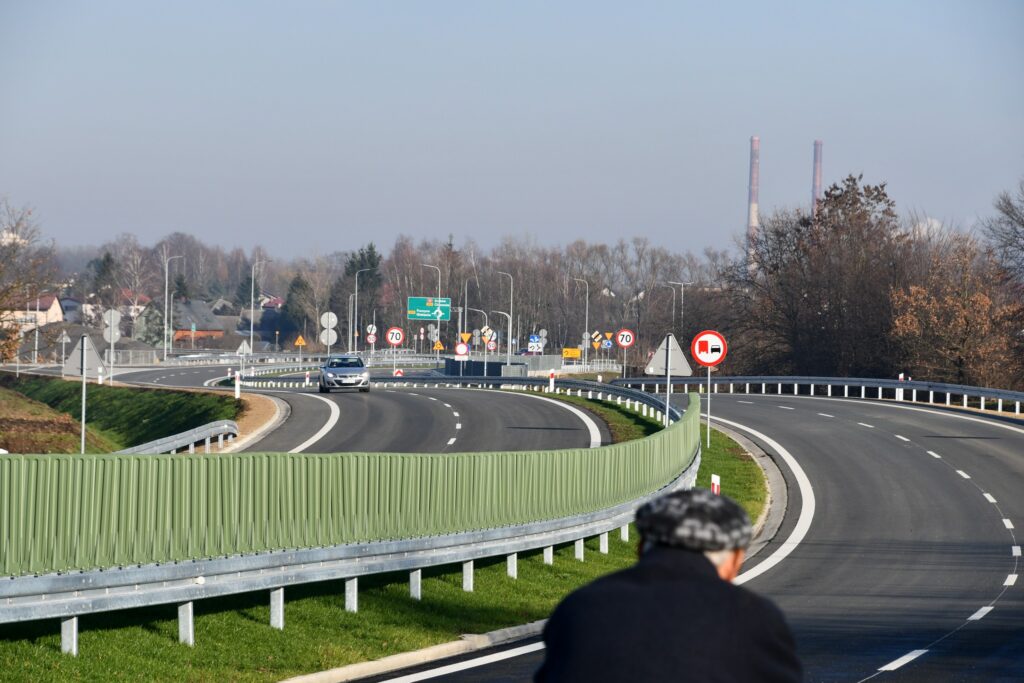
point(405, 420)
point(905, 552)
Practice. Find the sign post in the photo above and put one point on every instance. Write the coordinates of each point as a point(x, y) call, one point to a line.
point(111, 333)
point(64, 339)
point(394, 336)
point(625, 338)
point(299, 343)
point(328, 336)
point(85, 360)
point(708, 348)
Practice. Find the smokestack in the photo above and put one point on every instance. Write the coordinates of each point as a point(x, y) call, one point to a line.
point(816, 183)
point(755, 160)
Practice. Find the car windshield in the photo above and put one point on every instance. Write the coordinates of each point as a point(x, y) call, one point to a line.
point(344, 363)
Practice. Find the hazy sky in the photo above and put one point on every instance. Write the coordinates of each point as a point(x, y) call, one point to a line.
point(311, 126)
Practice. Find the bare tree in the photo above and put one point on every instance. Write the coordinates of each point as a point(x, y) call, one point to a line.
point(27, 268)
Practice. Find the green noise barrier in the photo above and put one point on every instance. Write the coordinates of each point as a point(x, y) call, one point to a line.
point(62, 513)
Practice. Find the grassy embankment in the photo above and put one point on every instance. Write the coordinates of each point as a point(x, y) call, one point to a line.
point(126, 416)
point(28, 426)
point(319, 634)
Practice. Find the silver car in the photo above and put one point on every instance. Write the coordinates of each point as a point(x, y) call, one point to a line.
point(344, 372)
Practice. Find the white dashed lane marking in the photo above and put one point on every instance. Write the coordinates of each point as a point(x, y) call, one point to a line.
point(934, 454)
point(865, 424)
point(1010, 580)
point(1015, 551)
point(455, 414)
point(980, 613)
point(902, 438)
point(990, 498)
point(787, 408)
point(963, 474)
point(749, 403)
point(451, 441)
point(458, 425)
point(826, 415)
point(905, 659)
point(1007, 523)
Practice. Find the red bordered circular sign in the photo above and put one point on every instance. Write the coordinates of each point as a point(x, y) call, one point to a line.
point(708, 348)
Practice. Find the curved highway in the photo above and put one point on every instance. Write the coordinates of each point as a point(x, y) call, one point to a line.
point(909, 567)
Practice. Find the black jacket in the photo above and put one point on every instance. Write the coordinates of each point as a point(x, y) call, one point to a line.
point(668, 618)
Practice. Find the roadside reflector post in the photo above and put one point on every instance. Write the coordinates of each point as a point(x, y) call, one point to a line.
point(551, 381)
point(277, 608)
point(416, 584)
point(467, 576)
point(69, 636)
point(512, 565)
point(965, 400)
point(186, 624)
point(716, 484)
point(352, 595)
point(238, 384)
point(99, 375)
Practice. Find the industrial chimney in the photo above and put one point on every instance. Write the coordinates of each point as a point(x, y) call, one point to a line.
point(816, 183)
point(755, 159)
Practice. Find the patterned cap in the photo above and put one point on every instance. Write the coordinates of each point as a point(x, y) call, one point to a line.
point(695, 520)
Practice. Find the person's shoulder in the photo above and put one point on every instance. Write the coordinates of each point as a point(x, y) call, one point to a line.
point(751, 603)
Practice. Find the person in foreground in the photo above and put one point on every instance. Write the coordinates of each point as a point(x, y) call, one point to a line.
point(675, 615)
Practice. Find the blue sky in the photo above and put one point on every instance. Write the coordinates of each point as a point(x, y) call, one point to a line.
point(307, 126)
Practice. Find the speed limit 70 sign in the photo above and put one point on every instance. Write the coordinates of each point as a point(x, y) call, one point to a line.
point(395, 336)
point(625, 338)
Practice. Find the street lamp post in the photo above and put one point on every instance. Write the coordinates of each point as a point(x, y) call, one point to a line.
point(508, 336)
point(511, 292)
point(252, 304)
point(586, 321)
point(484, 314)
point(353, 333)
point(167, 305)
point(437, 353)
point(682, 304)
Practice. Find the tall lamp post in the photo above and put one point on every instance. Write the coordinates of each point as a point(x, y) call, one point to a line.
point(682, 303)
point(437, 354)
point(508, 336)
point(353, 333)
point(511, 291)
point(252, 303)
point(167, 305)
point(586, 320)
point(484, 314)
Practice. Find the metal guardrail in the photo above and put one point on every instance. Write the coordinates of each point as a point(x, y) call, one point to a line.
point(131, 584)
point(899, 390)
point(171, 444)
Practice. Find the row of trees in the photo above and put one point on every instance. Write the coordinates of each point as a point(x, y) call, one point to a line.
point(851, 289)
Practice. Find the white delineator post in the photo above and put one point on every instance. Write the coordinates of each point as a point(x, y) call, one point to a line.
point(709, 406)
point(551, 382)
point(85, 341)
point(238, 384)
point(716, 484)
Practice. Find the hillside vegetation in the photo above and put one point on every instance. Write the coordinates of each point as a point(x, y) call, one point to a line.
point(128, 415)
point(28, 426)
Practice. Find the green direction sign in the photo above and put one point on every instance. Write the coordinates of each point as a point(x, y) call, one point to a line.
point(429, 308)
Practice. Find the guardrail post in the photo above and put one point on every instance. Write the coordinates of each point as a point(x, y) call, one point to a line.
point(657, 415)
point(416, 584)
point(206, 445)
point(186, 624)
point(780, 388)
point(624, 533)
point(982, 403)
point(931, 396)
point(191, 448)
point(764, 388)
point(645, 411)
point(352, 594)
point(730, 387)
point(748, 387)
point(220, 441)
point(277, 608)
point(512, 565)
point(549, 554)
point(603, 543)
point(578, 550)
point(863, 392)
point(948, 398)
point(467, 576)
point(1018, 407)
point(913, 395)
point(795, 390)
point(965, 400)
point(231, 438)
point(69, 636)
point(812, 389)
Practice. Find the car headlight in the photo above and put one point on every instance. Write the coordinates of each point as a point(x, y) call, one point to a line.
point(331, 375)
point(366, 374)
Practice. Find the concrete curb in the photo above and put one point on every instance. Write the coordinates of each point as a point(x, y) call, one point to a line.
point(467, 643)
point(774, 512)
point(281, 412)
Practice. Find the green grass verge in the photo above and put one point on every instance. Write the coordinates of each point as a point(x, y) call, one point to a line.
point(623, 423)
point(235, 642)
point(742, 478)
point(128, 415)
point(28, 426)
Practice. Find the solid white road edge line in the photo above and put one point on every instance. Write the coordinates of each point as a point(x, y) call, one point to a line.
point(328, 426)
point(980, 613)
point(807, 505)
point(468, 664)
point(905, 659)
point(595, 433)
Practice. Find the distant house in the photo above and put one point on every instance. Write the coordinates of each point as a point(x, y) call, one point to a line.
point(271, 303)
point(32, 313)
point(72, 309)
point(191, 320)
